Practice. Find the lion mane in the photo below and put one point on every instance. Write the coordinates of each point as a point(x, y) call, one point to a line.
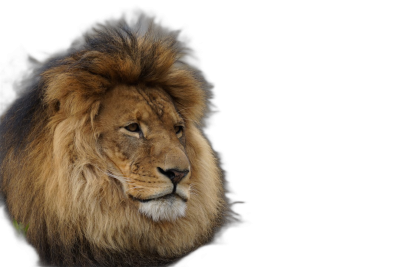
point(55, 172)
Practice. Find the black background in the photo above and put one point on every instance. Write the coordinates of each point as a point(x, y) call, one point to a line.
point(247, 52)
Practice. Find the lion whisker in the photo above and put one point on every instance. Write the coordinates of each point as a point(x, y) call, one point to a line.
point(193, 190)
point(110, 174)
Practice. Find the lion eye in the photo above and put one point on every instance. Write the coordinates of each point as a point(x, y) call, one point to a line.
point(178, 130)
point(133, 127)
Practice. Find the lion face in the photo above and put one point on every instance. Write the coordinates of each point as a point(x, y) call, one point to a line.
point(142, 136)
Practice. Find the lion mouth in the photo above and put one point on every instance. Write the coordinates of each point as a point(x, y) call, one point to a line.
point(170, 196)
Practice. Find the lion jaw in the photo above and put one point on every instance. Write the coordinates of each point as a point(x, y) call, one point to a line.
point(164, 209)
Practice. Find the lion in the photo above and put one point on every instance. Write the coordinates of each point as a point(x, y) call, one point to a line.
point(103, 157)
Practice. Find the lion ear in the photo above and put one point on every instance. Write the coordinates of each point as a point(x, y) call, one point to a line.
point(56, 106)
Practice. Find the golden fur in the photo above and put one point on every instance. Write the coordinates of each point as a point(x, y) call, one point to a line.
point(93, 187)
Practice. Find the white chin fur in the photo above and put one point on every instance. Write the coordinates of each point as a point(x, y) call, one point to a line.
point(163, 209)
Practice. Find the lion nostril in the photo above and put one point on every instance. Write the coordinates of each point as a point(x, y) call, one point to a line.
point(166, 173)
point(174, 175)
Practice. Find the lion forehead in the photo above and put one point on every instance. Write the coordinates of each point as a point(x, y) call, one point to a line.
point(132, 103)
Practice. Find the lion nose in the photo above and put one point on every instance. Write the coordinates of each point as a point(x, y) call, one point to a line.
point(174, 175)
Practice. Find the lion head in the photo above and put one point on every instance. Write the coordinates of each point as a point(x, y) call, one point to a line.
point(143, 138)
point(103, 155)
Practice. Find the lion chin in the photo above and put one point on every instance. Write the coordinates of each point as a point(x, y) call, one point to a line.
point(167, 208)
